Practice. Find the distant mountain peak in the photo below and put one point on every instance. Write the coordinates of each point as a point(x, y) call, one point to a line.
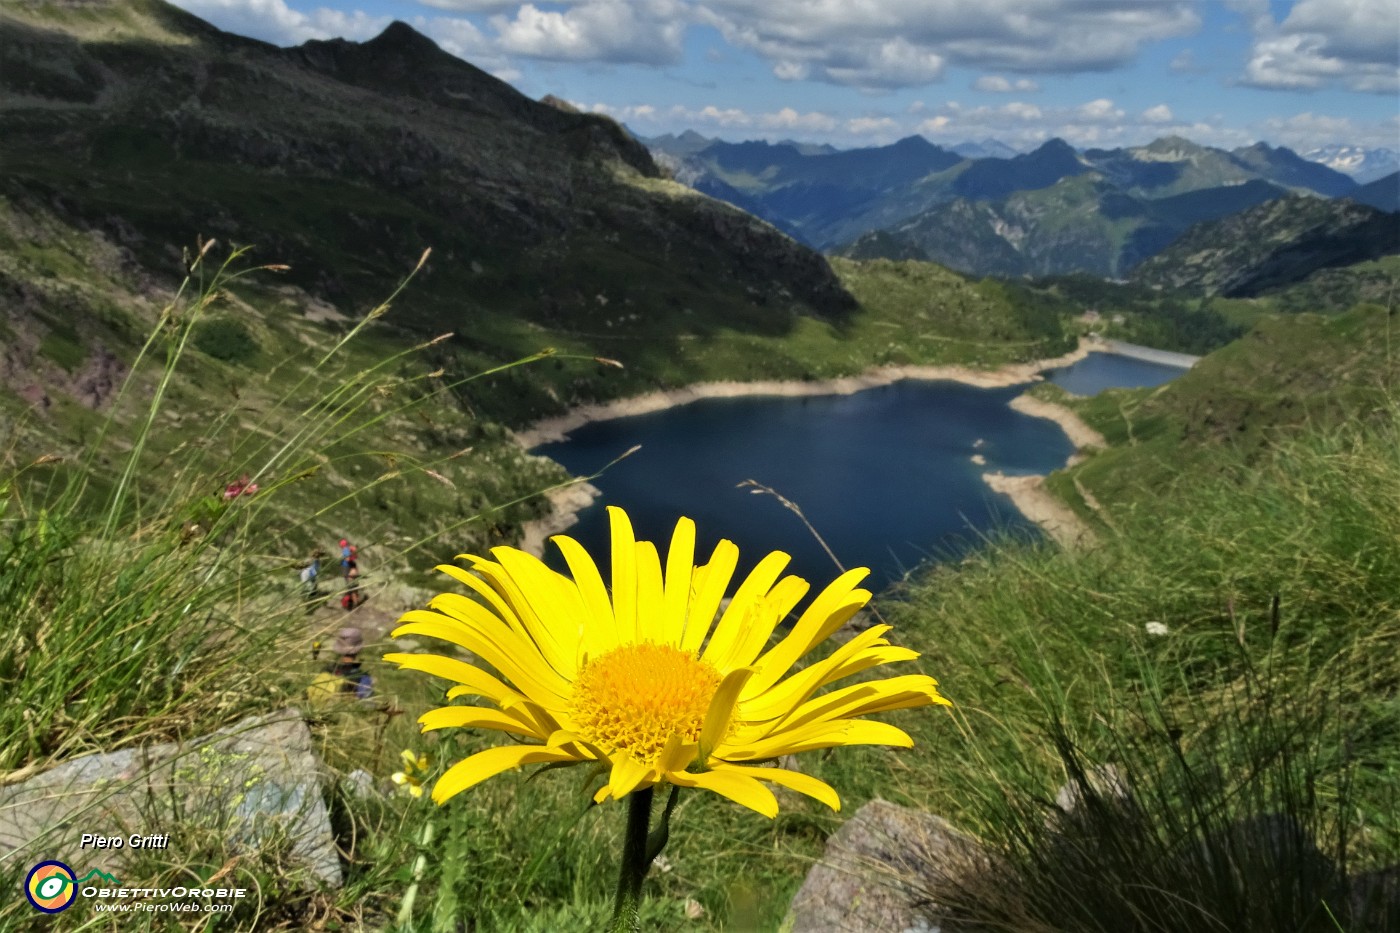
point(401, 35)
point(915, 143)
point(1172, 146)
point(558, 103)
point(1363, 163)
point(988, 148)
point(1054, 144)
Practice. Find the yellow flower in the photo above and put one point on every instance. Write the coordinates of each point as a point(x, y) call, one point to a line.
point(415, 771)
point(645, 681)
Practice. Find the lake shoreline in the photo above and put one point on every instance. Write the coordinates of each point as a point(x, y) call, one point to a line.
point(557, 428)
point(1031, 500)
point(1043, 507)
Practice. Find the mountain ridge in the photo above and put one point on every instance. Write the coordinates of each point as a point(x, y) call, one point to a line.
point(834, 211)
point(1271, 245)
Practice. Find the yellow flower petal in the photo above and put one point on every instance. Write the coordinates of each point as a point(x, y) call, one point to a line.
point(822, 735)
point(447, 717)
point(710, 582)
point(768, 611)
point(721, 711)
point(865, 650)
point(624, 584)
point(477, 585)
point(828, 612)
point(680, 568)
point(590, 585)
point(741, 608)
point(514, 657)
point(650, 594)
point(626, 775)
point(875, 696)
point(549, 595)
point(739, 788)
point(792, 780)
point(474, 681)
point(488, 764)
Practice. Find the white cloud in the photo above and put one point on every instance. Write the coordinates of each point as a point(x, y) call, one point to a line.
point(1352, 43)
point(1095, 123)
point(789, 119)
point(873, 128)
point(616, 31)
point(273, 21)
point(1099, 111)
point(460, 37)
point(895, 63)
point(902, 43)
point(996, 84)
point(782, 122)
point(1309, 130)
point(1184, 62)
point(1022, 111)
point(479, 6)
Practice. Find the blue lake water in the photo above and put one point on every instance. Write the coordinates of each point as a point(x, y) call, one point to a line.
point(885, 475)
point(1099, 371)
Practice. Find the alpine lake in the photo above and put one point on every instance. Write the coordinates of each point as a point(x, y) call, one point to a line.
point(886, 476)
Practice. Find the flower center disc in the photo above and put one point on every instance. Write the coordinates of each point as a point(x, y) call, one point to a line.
point(636, 697)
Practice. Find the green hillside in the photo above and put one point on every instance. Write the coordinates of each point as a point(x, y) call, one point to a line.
point(1290, 376)
point(1272, 245)
point(1085, 223)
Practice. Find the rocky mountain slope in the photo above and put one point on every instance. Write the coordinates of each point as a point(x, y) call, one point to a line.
point(833, 199)
point(1271, 245)
point(1080, 224)
point(1382, 194)
point(345, 160)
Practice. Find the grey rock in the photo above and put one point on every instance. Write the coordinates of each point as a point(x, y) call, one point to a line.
point(358, 783)
point(1104, 783)
point(881, 872)
point(256, 781)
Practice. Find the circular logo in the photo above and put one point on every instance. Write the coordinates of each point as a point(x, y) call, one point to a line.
point(51, 887)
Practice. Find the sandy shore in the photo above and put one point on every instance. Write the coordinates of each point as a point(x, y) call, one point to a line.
point(557, 429)
point(1026, 492)
point(1038, 504)
point(565, 504)
point(1079, 433)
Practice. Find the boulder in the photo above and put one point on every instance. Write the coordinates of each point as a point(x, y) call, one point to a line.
point(256, 780)
point(881, 872)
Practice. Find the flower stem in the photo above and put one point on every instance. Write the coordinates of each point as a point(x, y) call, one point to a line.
point(627, 916)
point(409, 898)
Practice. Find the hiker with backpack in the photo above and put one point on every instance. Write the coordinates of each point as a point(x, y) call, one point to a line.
point(311, 572)
point(353, 597)
point(345, 677)
point(348, 555)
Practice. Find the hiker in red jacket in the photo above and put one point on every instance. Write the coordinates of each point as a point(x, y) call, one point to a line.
point(348, 553)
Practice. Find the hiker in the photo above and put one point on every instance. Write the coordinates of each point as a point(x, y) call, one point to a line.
point(353, 597)
point(310, 572)
point(348, 554)
point(345, 677)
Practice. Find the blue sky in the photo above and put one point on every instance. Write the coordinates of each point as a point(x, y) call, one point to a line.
point(864, 72)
